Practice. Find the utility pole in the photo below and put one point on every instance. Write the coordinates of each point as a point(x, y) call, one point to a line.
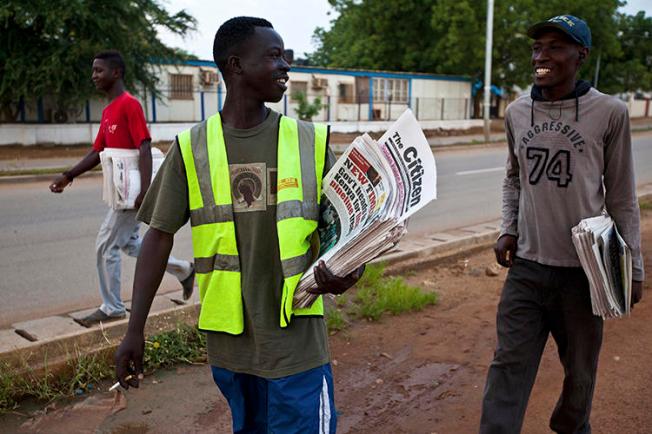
point(487, 69)
point(596, 77)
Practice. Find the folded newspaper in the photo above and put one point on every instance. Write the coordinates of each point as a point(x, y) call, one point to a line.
point(607, 262)
point(121, 184)
point(368, 195)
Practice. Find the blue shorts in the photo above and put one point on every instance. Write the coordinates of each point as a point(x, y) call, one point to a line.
point(300, 403)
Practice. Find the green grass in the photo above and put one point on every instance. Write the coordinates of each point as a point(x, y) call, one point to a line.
point(185, 344)
point(335, 320)
point(341, 300)
point(80, 374)
point(8, 387)
point(376, 295)
point(393, 296)
point(87, 370)
point(645, 204)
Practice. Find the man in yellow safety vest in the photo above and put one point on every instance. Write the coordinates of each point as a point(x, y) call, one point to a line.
point(249, 181)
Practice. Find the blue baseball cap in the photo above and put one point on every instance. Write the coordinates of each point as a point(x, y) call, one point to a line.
point(574, 27)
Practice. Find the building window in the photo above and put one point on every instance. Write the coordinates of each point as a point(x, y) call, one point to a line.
point(298, 87)
point(390, 90)
point(181, 86)
point(345, 93)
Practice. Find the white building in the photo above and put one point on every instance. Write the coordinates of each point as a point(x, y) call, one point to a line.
point(352, 100)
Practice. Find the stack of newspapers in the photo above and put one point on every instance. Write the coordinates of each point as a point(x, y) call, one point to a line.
point(607, 262)
point(121, 173)
point(367, 197)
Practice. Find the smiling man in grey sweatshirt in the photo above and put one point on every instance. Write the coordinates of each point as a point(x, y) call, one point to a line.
point(570, 157)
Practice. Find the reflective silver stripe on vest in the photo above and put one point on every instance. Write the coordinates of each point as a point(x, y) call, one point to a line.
point(199, 145)
point(308, 175)
point(213, 214)
point(209, 213)
point(288, 210)
point(296, 265)
point(217, 262)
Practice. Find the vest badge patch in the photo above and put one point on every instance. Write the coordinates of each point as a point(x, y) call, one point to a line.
point(288, 183)
point(248, 187)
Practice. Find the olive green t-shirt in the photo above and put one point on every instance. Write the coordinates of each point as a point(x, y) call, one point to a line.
point(264, 349)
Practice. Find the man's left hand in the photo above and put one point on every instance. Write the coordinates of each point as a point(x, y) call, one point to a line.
point(637, 291)
point(328, 283)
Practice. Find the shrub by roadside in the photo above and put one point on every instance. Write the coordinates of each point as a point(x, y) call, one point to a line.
point(84, 372)
point(374, 295)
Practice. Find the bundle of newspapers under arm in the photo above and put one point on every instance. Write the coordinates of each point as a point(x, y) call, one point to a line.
point(607, 262)
point(121, 173)
point(367, 197)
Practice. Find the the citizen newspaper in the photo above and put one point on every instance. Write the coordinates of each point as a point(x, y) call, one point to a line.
point(121, 173)
point(368, 195)
point(607, 262)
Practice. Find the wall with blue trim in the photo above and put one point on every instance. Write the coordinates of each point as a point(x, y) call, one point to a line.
point(431, 96)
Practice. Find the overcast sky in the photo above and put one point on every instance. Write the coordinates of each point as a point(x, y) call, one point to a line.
point(295, 20)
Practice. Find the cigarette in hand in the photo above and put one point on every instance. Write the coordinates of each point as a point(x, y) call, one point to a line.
point(117, 383)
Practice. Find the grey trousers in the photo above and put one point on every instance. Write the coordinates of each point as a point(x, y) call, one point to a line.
point(538, 300)
point(120, 231)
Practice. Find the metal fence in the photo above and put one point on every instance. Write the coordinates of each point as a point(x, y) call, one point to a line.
point(364, 109)
point(172, 106)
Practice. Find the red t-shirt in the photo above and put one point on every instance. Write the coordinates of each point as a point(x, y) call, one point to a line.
point(123, 124)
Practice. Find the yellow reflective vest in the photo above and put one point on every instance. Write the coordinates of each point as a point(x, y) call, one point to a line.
point(301, 159)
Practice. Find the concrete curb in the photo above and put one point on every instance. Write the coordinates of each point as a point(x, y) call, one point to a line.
point(58, 338)
point(53, 354)
point(337, 148)
point(19, 179)
point(478, 237)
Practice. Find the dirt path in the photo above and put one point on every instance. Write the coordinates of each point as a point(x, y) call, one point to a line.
point(415, 373)
point(435, 377)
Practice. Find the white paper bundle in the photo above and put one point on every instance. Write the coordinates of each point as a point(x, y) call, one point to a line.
point(367, 197)
point(607, 262)
point(121, 183)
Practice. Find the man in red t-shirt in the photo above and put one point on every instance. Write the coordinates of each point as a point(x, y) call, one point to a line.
point(123, 126)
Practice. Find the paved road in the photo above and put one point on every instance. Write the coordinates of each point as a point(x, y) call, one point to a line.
point(47, 241)
point(469, 185)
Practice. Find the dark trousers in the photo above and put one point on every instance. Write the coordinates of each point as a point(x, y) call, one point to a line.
point(537, 300)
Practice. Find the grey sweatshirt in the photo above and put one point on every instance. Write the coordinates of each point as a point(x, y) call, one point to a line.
point(558, 159)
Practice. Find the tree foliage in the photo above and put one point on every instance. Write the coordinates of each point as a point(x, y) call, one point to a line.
point(375, 34)
point(448, 37)
point(630, 68)
point(46, 47)
point(305, 109)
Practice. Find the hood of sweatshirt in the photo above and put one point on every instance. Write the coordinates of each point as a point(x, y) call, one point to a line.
point(581, 88)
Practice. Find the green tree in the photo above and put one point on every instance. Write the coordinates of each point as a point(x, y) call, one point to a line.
point(375, 34)
point(630, 68)
point(306, 110)
point(448, 36)
point(46, 47)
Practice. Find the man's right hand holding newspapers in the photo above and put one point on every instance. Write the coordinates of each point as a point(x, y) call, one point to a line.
point(506, 248)
point(329, 283)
